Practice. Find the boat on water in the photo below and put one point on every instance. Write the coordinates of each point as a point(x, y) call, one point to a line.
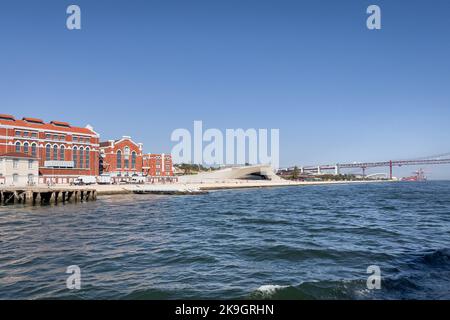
point(419, 175)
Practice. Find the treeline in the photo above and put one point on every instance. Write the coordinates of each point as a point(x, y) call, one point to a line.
point(297, 175)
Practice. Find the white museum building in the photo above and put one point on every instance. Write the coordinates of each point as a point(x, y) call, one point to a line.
point(18, 169)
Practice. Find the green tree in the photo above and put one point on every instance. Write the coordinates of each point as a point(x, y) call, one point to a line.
point(295, 173)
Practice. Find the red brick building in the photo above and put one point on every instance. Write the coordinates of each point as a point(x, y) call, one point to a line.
point(125, 158)
point(64, 151)
point(157, 165)
point(121, 157)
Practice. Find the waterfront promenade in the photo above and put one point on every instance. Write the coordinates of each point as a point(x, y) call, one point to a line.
point(219, 185)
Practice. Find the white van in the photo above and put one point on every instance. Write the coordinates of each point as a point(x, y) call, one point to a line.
point(104, 179)
point(84, 180)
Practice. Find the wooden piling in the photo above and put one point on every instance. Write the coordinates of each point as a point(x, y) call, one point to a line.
point(44, 196)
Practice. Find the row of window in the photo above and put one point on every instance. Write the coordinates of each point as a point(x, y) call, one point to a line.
point(81, 139)
point(126, 162)
point(56, 137)
point(26, 134)
point(30, 178)
point(16, 164)
point(62, 138)
point(166, 167)
point(26, 148)
point(48, 153)
point(81, 159)
point(49, 136)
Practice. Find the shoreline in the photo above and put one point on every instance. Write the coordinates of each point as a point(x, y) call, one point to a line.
point(106, 190)
point(117, 189)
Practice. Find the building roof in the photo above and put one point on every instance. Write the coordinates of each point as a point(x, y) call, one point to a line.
point(6, 117)
point(34, 123)
point(16, 155)
point(105, 144)
point(34, 120)
point(60, 123)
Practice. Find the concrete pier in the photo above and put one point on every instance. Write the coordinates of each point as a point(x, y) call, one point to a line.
point(45, 196)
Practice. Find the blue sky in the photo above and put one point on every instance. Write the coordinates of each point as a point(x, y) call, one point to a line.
point(337, 91)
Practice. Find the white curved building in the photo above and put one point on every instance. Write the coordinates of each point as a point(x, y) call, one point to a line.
point(255, 172)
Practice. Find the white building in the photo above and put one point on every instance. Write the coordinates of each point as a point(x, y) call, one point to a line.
point(18, 169)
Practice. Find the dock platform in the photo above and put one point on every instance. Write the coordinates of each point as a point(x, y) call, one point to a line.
point(45, 196)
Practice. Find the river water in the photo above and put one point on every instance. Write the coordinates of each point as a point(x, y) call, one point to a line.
point(308, 242)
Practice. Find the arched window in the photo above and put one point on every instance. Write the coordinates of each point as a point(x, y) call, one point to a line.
point(81, 157)
point(34, 150)
point(126, 158)
point(55, 152)
point(119, 160)
point(88, 158)
point(25, 147)
point(74, 157)
point(47, 152)
point(62, 153)
point(133, 160)
point(17, 146)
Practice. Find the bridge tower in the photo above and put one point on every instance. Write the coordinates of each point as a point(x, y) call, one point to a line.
point(390, 169)
point(337, 169)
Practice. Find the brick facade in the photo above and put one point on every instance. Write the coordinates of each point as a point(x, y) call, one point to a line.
point(63, 151)
point(157, 165)
point(124, 157)
point(121, 157)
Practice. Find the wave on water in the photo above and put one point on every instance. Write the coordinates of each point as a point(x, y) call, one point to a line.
point(426, 276)
point(422, 276)
point(437, 258)
point(312, 290)
point(269, 290)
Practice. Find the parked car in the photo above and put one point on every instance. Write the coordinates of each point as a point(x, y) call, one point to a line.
point(84, 180)
point(137, 180)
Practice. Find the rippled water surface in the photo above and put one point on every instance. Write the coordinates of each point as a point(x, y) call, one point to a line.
point(310, 242)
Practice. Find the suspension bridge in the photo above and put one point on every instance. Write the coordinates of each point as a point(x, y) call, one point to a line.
point(336, 168)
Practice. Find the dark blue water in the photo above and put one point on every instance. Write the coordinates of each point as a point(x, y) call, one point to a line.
point(312, 242)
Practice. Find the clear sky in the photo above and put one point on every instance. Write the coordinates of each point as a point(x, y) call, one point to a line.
point(337, 91)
